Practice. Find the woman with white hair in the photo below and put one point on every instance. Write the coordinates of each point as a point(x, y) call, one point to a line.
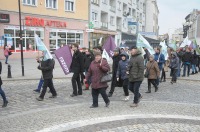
point(153, 73)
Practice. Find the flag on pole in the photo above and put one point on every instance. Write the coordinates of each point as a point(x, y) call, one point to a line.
point(173, 46)
point(105, 55)
point(64, 57)
point(185, 42)
point(164, 49)
point(41, 47)
point(109, 46)
point(142, 42)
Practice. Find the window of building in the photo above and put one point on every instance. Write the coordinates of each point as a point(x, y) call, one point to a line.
point(112, 21)
point(94, 16)
point(69, 5)
point(104, 1)
point(51, 4)
point(95, 2)
point(119, 5)
point(30, 2)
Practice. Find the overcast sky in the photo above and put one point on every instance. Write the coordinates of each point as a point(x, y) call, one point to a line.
point(173, 13)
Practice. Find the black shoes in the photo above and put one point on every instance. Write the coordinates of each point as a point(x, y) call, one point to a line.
point(53, 96)
point(37, 91)
point(5, 104)
point(39, 99)
point(156, 89)
point(72, 95)
point(109, 95)
point(148, 92)
point(107, 104)
point(92, 106)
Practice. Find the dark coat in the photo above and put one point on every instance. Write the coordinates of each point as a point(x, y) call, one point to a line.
point(89, 58)
point(77, 65)
point(187, 57)
point(47, 68)
point(153, 69)
point(161, 60)
point(136, 68)
point(122, 67)
point(116, 60)
point(0, 73)
point(194, 59)
point(96, 71)
point(174, 62)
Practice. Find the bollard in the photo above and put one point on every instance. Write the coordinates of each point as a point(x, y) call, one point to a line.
point(9, 71)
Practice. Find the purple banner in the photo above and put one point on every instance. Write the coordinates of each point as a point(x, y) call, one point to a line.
point(109, 46)
point(64, 57)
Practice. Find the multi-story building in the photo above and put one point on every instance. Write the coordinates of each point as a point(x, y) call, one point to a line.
point(151, 25)
point(193, 21)
point(116, 17)
point(56, 22)
point(177, 36)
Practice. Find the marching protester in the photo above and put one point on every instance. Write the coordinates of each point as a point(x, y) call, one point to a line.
point(98, 68)
point(47, 66)
point(84, 59)
point(153, 73)
point(164, 70)
point(187, 57)
point(135, 71)
point(174, 63)
point(121, 73)
point(77, 68)
point(160, 59)
point(146, 56)
point(194, 62)
point(5, 101)
point(180, 54)
point(88, 60)
point(116, 58)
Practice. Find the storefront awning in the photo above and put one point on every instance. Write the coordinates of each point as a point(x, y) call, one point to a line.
point(105, 32)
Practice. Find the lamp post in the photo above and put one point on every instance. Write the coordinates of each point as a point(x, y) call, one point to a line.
point(20, 35)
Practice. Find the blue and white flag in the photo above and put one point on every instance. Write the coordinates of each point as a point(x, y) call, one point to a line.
point(164, 50)
point(41, 47)
point(142, 42)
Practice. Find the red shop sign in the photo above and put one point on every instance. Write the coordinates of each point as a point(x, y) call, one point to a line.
point(39, 22)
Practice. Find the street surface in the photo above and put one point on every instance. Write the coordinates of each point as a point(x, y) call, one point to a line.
point(173, 108)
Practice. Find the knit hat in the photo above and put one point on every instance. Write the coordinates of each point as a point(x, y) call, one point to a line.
point(133, 47)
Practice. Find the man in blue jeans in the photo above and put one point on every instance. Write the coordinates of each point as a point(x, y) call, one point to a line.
point(135, 70)
point(5, 102)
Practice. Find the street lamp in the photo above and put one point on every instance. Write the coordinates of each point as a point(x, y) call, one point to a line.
point(20, 34)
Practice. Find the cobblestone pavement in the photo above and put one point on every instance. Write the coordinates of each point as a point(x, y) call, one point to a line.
point(24, 113)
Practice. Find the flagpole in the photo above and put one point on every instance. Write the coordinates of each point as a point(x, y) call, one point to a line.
point(20, 34)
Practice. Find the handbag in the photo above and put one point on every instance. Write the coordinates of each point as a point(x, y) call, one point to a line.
point(9, 53)
point(146, 74)
point(106, 78)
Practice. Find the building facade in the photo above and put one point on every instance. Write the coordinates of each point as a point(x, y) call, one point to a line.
point(117, 18)
point(151, 25)
point(56, 22)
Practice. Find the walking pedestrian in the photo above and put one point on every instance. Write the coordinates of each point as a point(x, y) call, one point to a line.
point(160, 59)
point(6, 53)
point(194, 62)
point(187, 58)
point(77, 68)
point(121, 73)
point(98, 68)
point(47, 66)
point(116, 58)
point(174, 63)
point(153, 73)
point(164, 70)
point(136, 74)
point(5, 101)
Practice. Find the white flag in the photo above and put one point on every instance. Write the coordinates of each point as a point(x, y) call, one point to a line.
point(105, 55)
point(164, 49)
point(185, 42)
point(142, 42)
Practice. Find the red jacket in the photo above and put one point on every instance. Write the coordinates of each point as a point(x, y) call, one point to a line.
point(96, 72)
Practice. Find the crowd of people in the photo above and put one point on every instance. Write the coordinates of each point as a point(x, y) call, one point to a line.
point(129, 68)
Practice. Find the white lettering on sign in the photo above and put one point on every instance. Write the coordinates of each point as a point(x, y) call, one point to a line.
point(64, 65)
point(111, 52)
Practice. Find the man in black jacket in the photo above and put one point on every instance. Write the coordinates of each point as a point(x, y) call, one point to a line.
point(77, 67)
point(187, 57)
point(116, 58)
point(47, 66)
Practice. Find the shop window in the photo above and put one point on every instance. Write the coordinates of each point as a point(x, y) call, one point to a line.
point(69, 5)
point(70, 38)
point(9, 32)
point(30, 2)
point(30, 33)
point(40, 34)
point(51, 4)
point(61, 39)
point(30, 44)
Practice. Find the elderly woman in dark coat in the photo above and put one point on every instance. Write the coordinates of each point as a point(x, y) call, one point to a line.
point(97, 69)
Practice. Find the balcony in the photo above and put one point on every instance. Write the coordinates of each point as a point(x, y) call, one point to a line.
point(113, 8)
point(104, 25)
